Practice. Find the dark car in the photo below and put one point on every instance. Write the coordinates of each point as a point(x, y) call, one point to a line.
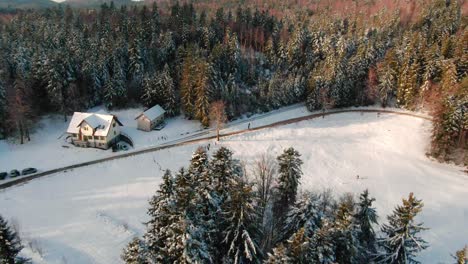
point(14, 173)
point(3, 175)
point(28, 171)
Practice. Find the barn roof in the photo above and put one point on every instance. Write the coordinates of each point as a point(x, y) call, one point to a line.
point(99, 122)
point(152, 113)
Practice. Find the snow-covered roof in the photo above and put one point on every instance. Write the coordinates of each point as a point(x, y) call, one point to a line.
point(99, 122)
point(153, 113)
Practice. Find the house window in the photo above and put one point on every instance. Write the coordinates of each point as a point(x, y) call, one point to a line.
point(113, 125)
point(85, 128)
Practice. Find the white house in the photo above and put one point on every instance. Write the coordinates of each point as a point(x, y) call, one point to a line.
point(150, 118)
point(94, 130)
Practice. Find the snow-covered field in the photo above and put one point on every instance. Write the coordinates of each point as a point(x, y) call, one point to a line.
point(87, 215)
point(48, 148)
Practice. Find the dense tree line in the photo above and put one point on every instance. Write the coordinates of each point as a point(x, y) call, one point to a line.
point(65, 59)
point(215, 212)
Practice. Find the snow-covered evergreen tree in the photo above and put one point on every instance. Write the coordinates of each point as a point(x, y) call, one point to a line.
point(135, 253)
point(289, 174)
point(10, 244)
point(365, 218)
point(402, 242)
point(278, 256)
point(162, 214)
point(345, 240)
point(241, 223)
point(170, 104)
point(3, 109)
point(304, 214)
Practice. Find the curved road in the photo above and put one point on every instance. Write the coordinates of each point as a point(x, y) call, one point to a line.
point(188, 140)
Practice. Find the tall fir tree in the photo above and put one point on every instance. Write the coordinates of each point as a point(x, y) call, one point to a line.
point(365, 218)
point(135, 253)
point(3, 110)
point(161, 212)
point(289, 174)
point(241, 224)
point(10, 244)
point(401, 242)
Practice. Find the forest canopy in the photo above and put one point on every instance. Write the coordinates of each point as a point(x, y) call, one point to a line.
point(185, 56)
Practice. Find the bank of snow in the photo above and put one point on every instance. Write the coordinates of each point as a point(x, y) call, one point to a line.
point(87, 215)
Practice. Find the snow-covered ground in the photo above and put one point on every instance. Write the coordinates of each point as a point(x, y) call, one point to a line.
point(87, 215)
point(48, 148)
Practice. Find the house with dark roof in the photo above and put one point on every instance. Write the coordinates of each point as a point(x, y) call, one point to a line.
point(150, 118)
point(94, 130)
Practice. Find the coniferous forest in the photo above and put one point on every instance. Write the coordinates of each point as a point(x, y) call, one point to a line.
point(65, 59)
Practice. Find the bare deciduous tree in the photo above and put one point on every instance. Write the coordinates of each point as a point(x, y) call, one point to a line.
point(264, 171)
point(20, 112)
point(218, 115)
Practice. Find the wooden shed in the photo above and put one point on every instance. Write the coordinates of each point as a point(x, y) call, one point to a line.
point(150, 118)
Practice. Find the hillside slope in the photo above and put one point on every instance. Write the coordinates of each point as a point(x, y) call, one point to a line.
point(88, 215)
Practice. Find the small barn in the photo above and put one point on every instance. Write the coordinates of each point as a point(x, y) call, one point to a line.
point(150, 118)
point(94, 130)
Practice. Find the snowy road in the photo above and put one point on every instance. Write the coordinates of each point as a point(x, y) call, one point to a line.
point(205, 136)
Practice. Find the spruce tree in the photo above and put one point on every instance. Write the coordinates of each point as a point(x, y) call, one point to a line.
point(134, 253)
point(162, 214)
point(10, 244)
point(402, 242)
point(278, 256)
point(289, 174)
point(170, 103)
point(3, 110)
point(150, 93)
point(202, 93)
point(241, 221)
point(303, 214)
point(365, 218)
point(345, 240)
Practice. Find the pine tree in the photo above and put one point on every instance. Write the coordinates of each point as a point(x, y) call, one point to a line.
point(241, 224)
point(401, 242)
point(461, 256)
point(10, 244)
point(304, 214)
point(346, 243)
point(150, 92)
point(134, 253)
point(224, 170)
point(449, 76)
point(206, 202)
point(3, 110)
point(289, 174)
point(386, 83)
point(187, 87)
point(170, 97)
point(115, 90)
point(279, 256)
point(294, 250)
point(202, 93)
point(162, 214)
point(365, 218)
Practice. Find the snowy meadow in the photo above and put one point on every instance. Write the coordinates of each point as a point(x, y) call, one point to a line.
point(89, 214)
